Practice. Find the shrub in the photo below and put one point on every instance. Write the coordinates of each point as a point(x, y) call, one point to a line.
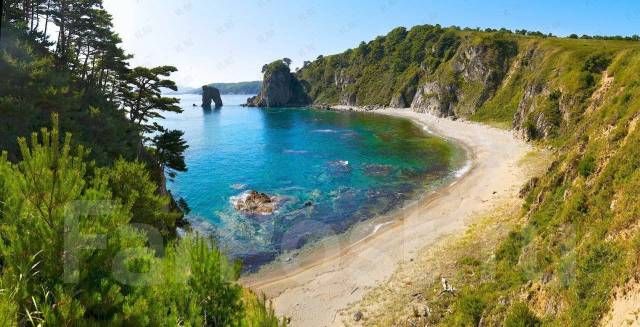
point(468, 310)
point(596, 63)
point(521, 316)
point(587, 165)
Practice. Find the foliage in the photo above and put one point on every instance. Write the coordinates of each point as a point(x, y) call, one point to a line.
point(71, 257)
point(169, 151)
point(32, 87)
point(587, 166)
point(521, 316)
point(596, 62)
point(87, 239)
point(469, 309)
point(141, 95)
point(131, 185)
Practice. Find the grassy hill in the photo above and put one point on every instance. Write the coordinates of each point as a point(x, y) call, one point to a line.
point(577, 241)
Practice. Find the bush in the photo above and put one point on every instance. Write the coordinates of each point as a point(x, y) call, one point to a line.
point(468, 310)
point(587, 165)
point(521, 316)
point(596, 63)
point(586, 80)
point(51, 277)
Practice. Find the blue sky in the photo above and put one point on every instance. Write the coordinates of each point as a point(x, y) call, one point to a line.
point(230, 40)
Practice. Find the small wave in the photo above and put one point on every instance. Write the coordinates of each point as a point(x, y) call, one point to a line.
point(325, 131)
point(236, 199)
point(426, 129)
point(289, 151)
point(339, 163)
point(464, 170)
point(238, 186)
point(377, 227)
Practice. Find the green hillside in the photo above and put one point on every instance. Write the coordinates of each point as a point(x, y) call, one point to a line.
point(252, 87)
point(578, 239)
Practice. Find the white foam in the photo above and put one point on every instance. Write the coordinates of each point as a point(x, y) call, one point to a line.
point(238, 186)
point(325, 131)
point(464, 170)
point(377, 227)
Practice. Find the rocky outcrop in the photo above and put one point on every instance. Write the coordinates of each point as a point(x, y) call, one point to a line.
point(254, 202)
point(348, 99)
point(435, 99)
point(539, 113)
point(475, 74)
point(526, 125)
point(209, 94)
point(280, 88)
point(343, 82)
point(397, 102)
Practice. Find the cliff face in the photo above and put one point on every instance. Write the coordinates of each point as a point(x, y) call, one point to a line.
point(280, 88)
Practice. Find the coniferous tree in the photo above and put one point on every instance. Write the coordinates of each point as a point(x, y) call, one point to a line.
point(169, 151)
point(141, 96)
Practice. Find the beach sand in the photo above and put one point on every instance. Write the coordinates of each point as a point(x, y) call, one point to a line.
point(313, 287)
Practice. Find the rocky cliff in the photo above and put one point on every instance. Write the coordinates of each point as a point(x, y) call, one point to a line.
point(280, 88)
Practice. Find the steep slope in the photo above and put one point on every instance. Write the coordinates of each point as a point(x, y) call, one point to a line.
point(577, 241)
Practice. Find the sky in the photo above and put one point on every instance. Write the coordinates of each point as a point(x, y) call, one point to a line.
point(229, 40)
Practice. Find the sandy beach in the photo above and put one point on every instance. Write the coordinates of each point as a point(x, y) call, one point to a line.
point(313, 287)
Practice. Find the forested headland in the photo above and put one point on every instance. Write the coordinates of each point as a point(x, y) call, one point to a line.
point(87, 228)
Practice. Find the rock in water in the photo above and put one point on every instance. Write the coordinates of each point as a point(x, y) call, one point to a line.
point(210, 93)
point(377, 170)
point(254, 202)
point(280, 88)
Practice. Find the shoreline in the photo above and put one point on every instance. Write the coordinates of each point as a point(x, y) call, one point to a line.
point(326, 279)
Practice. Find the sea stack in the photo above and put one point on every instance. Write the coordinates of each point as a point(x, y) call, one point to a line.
point(280, 88)
point(209, 94)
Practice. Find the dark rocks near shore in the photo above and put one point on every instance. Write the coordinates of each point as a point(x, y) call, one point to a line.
point(254, 202)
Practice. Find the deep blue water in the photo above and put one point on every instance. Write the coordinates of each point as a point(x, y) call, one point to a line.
point(347, 167)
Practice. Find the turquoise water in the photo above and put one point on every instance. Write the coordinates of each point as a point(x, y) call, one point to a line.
point(328, 169)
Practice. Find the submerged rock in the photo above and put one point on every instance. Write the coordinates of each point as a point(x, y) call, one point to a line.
point(254, 202)
point(339, 166)
point(377, 170)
